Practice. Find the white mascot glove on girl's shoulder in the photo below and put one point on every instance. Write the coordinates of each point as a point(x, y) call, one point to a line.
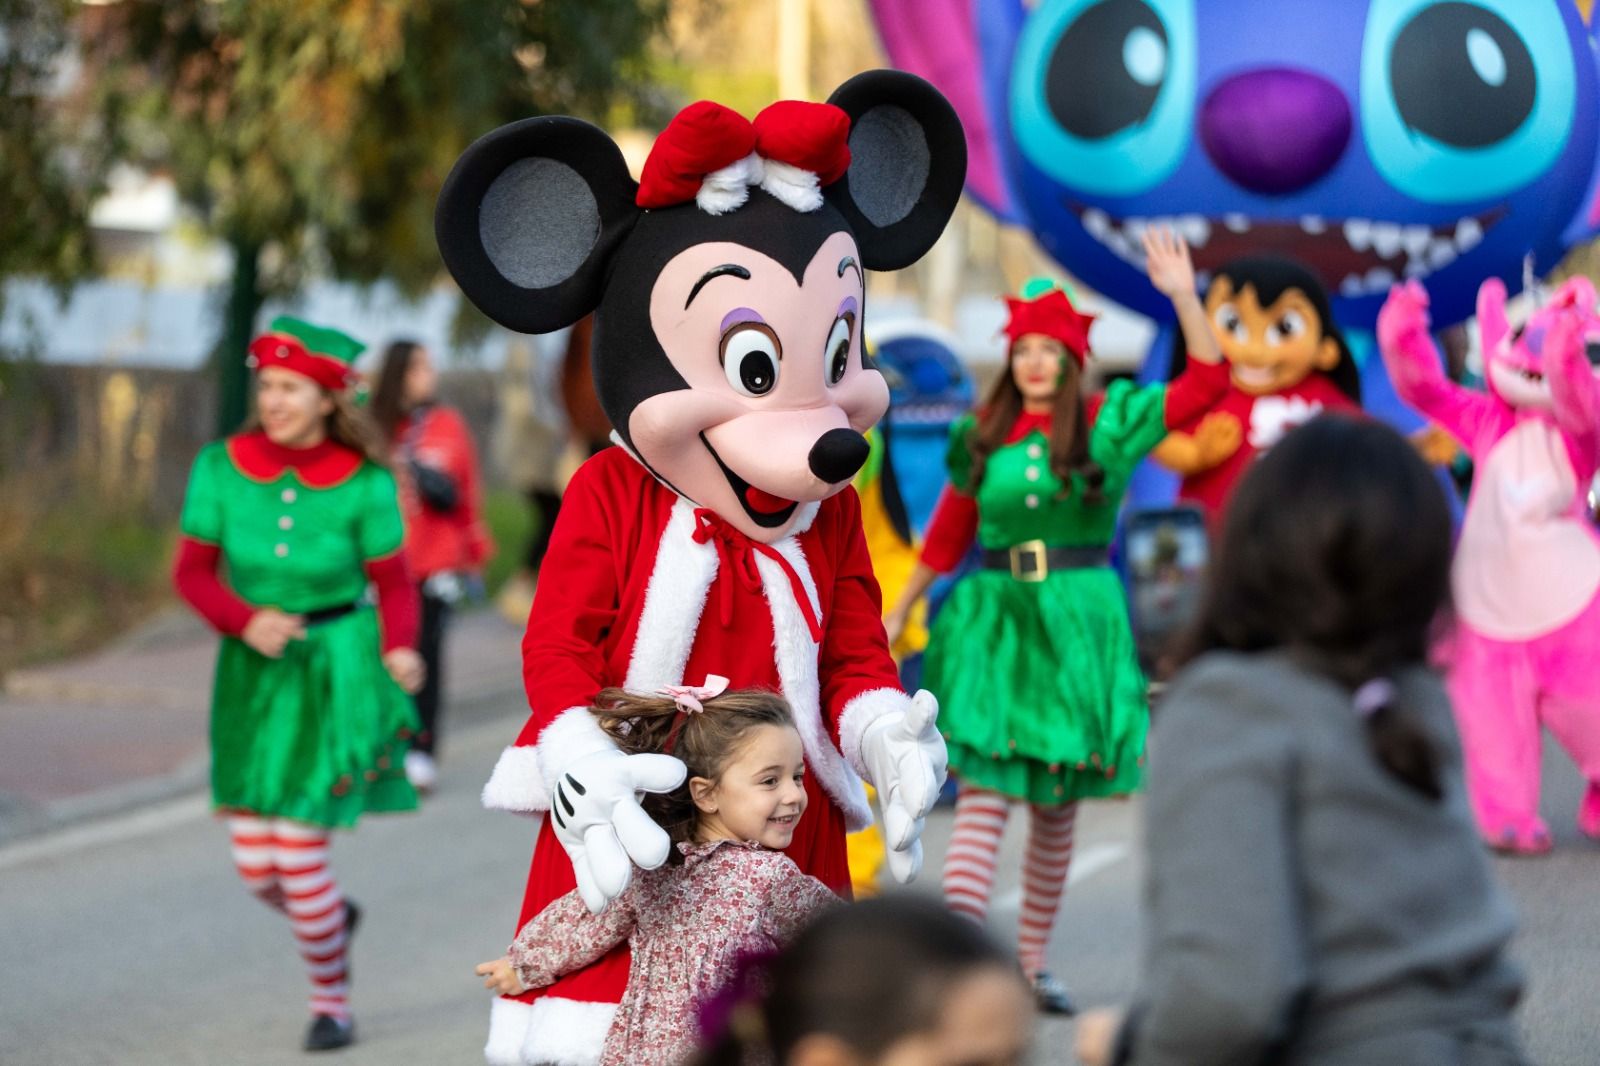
point(595, 808)
point(906, 759)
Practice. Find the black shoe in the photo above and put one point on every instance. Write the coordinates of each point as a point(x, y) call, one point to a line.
point(1051, 997)
point(328, 1033)
point(352, 918)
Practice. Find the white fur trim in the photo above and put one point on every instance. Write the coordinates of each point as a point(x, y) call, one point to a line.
point(727, 189)
point(796, 654)
point(572, 736)
point(674, 600)
point(860, 713)
point(800, 189)
point(508, 1031)
point(516, 783)
point(806, 516)
point(566, 1032)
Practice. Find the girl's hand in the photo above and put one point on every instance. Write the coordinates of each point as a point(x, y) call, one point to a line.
point(1167, 261)
point(269, 631)
point(407, 669)
point(500, 977)
point(1097, 1036)
point(894, 623)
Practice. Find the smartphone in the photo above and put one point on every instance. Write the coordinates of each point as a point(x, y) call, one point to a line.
point(1165, 551)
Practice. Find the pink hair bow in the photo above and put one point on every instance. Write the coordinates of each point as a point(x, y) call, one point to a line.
point(689, 697)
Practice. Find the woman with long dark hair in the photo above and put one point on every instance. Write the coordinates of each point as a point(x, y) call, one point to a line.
point(447, 543)
point(1041, 698)
point(1315, 890)
point(309, 715)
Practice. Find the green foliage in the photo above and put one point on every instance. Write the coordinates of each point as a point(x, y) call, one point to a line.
point(510, 523)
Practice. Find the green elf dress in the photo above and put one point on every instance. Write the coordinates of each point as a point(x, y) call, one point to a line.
point(320, 734)
point(1040, 693)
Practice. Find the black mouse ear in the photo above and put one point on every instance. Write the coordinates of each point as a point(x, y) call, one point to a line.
point(908, 161)
point(528, 218)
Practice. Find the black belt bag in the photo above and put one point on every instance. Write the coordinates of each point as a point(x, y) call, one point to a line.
point(328, 614)
point(1034, 560)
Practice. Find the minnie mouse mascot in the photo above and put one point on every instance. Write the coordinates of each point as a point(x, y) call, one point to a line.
point(722, 537)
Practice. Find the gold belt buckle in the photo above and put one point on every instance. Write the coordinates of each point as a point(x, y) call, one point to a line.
point(1028, 561)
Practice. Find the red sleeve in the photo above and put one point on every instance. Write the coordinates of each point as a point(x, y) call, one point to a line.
point(1197, 390)
point(456, 440)
point(398, 607)
point(854, 657)
point(195, 576)
point(951, 531)
point(563, 657)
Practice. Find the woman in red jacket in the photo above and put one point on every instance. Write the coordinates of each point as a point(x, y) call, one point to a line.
point(446, 542)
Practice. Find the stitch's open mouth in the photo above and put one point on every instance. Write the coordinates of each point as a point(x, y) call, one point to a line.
point(1353, 256)
point(765, 509)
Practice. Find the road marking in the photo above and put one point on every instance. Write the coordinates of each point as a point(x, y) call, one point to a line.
point(1087, 863)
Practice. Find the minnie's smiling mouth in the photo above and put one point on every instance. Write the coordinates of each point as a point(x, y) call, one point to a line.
point(765, 509)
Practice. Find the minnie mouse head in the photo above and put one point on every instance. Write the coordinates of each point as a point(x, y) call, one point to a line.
point(727, 285)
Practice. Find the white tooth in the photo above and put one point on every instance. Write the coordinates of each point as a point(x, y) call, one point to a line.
point(1133, 229)
point(1417, 268)
point(1118, 243)
point(1468, 233)
point(1379, 279)
point(1196, 230)
point(1358, 231)
point(1236, 222)
point(1416, 239)
point(1351, 286)
point(1442, 254)
point(1386, 239)
point(1097, 222)
point(1313, 224)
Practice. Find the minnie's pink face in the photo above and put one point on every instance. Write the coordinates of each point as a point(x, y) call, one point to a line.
point(774, 364)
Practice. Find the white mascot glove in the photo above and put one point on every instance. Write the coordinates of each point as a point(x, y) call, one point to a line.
point(906, 758)
point(598, 819)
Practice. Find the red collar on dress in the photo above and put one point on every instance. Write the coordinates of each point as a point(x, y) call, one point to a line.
point(320, 466)
point(1026, 424)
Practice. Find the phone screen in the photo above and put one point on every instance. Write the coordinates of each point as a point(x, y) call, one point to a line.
point(1166, 554)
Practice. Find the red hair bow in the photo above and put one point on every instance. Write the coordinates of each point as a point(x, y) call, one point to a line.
point(1054, 316)
point(708, 141)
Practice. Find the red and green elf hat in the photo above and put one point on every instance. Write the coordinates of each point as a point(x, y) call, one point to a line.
point(1044, 307)
point(324, 355)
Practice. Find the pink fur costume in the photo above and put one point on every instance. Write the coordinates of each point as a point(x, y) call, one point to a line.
point(1526, 577)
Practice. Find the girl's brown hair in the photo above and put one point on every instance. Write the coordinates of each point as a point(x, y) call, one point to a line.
point(388, 393)
point(1069, 431)
point(705, 741)
point(347, 425)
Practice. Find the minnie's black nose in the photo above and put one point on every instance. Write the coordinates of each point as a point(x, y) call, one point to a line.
point(838, 454)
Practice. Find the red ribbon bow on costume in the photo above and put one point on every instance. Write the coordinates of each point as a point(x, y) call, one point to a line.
point(1054, 316)
point(706, 137)
point(736, 553)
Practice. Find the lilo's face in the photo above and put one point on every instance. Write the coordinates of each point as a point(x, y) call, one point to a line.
point(778, 393)
point(292, 408)
point(1269, 348)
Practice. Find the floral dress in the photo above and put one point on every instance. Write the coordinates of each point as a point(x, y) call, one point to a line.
point(687, 926)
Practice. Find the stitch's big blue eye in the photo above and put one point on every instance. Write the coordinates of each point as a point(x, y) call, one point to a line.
point(1102, 91)
point(1465, 99)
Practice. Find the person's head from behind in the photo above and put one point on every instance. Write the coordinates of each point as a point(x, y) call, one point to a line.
point(1336, 548)
point(746, 764)
point(896, 981)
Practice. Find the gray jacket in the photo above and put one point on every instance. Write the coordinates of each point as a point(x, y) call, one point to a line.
point(1303, 906)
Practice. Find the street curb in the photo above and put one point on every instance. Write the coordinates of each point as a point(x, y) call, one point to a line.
point(194, 775)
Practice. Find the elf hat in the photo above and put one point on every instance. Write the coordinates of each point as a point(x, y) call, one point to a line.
point(324, 355)
point(1045, 308)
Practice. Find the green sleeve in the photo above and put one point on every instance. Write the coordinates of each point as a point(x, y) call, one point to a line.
point(202, 500)
point(1132, 421)
point(958, 456)
point(379, 526)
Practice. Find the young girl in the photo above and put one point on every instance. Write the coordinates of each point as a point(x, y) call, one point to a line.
point(436, 465)
point(889, 982)
point(1041, 697)
point(1315, 891)
point(727, 890)
point(309, 723)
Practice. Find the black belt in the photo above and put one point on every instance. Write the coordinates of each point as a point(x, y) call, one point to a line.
point(1033, 560)
point(328, 614)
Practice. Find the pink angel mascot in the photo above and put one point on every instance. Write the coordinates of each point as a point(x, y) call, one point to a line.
point(1527, 568)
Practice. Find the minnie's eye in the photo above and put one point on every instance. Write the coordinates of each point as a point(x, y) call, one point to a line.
point(1291, 325)
point(750, 355)
point(838, 349)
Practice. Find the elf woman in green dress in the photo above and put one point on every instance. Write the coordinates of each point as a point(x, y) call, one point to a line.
point(1041, 699)
point(310, 715)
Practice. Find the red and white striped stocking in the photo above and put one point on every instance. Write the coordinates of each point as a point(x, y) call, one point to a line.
point(1044, 876)
point(969, 865)
point(250, 839)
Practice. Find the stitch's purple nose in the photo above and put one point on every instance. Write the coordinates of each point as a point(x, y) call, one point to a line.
point(1275, 130)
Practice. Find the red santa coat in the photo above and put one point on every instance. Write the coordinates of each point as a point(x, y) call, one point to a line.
point(634, 592)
